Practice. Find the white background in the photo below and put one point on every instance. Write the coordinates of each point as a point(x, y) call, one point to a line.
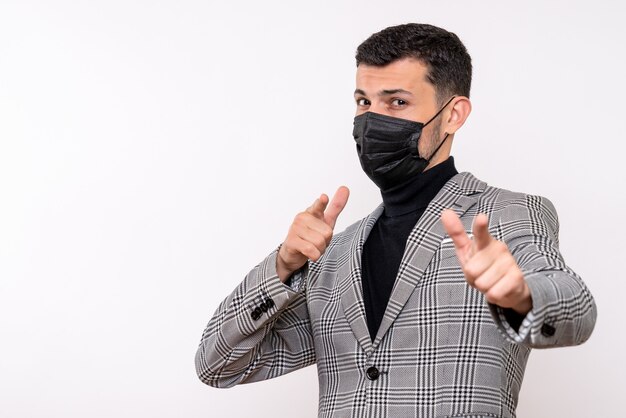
point(152, 152)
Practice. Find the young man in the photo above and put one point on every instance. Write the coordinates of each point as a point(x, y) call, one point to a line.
point(429, 306)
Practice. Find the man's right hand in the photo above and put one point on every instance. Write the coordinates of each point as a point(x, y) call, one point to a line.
point(310, 233)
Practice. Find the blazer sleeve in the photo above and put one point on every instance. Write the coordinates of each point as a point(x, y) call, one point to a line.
point(260, 331)
point(564, 312)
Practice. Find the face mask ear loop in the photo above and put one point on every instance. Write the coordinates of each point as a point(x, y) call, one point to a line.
point(437, 149)
point(447, 134)
point(440, 110)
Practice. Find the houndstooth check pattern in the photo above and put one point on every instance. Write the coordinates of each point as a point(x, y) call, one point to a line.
point(442, 350)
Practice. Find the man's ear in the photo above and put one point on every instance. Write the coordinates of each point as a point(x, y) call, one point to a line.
point(460, 108)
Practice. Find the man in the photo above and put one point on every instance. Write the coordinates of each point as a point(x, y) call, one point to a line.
point(429, 306)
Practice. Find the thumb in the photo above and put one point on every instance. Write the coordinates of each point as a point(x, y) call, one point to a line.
point(482, 237)
point(340, 199)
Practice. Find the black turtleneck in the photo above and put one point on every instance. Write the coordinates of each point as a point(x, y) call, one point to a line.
point(383, 250)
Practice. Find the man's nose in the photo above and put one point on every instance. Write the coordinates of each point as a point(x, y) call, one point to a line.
point(378, 107)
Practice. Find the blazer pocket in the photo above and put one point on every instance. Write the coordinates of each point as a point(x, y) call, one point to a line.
point(446, 250)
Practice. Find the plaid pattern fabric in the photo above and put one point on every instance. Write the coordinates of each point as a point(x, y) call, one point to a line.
point(441, 350)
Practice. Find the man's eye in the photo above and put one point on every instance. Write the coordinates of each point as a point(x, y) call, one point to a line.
point(362, 102)
point(398, 102)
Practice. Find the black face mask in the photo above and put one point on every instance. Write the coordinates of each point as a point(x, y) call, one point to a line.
point(387, 147)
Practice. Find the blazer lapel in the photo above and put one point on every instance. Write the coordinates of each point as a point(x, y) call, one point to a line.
point(423, 242)
point(351, 290)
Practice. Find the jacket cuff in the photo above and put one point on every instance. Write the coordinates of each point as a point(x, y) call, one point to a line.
point(537, 328)
point(270, 294)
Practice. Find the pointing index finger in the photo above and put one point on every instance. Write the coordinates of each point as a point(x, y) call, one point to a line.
point(454, 227)
point(318, 207)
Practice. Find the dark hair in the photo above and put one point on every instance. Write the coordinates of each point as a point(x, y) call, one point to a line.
point(449, 65)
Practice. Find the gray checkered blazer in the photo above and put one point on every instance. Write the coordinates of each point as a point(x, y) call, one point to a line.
point(441, 350)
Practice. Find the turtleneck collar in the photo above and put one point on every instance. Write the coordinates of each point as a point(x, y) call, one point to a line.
point(416, 193)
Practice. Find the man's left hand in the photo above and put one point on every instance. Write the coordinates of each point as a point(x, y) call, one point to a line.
point(488, 264)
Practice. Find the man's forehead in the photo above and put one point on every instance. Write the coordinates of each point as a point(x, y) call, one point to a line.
point(406, 74)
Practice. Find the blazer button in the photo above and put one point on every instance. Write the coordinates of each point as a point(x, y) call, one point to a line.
point(263, 307)
point(547, 330)
point(256, 314)
point(372, 373)
point(269, 302)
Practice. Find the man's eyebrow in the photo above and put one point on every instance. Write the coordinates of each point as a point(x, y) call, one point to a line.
point(394, 91)
point(384, 92)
